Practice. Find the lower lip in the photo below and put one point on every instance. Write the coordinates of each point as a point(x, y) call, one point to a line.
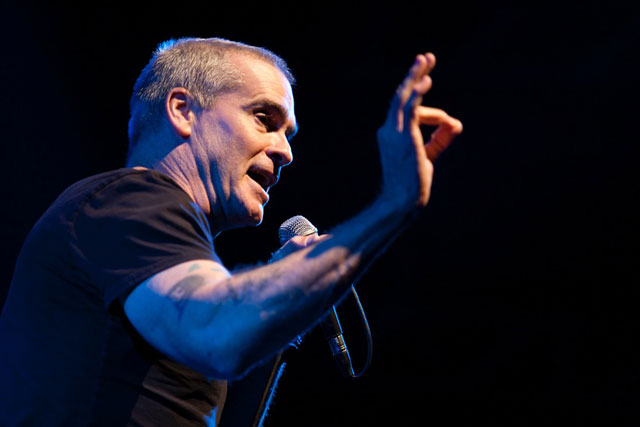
point(266, 195)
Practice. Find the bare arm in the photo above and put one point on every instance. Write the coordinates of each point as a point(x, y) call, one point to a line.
point(222, 324)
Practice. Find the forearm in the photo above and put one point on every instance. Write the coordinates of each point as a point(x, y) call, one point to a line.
point(281, 300)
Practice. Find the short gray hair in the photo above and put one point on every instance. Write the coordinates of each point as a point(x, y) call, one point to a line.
point(199, 65)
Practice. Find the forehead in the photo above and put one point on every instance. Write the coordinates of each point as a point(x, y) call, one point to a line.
point(261, 79)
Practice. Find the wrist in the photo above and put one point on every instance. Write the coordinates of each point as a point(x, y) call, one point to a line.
point(399, 202)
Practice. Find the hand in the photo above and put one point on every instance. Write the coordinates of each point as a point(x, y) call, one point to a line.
point(295, 244)
point(407, 168)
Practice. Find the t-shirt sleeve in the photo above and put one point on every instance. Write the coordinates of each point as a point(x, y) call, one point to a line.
point(134, 227)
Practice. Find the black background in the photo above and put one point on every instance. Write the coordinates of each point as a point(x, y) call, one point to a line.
point(512, 301)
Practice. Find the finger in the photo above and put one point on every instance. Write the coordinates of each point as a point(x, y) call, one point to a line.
point(441, 139)
point(402, 90)
point(418, 82)
point(431, 61)
point(415, 99)
point(422, 66)
point(448, 128)
point(436, 117)
point(310, 239)
point(410, 91)
point(416, 72)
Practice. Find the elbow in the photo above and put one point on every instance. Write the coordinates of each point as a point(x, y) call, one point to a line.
point(235, 363)
point(213, 366)
point(224, 370)
point(231, 366)
point(228, 361)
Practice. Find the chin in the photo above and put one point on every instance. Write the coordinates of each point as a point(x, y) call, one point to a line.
point(248, 211)
point(258, 216)
point(253, 216)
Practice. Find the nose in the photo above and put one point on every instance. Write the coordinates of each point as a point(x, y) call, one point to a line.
point(280, 151)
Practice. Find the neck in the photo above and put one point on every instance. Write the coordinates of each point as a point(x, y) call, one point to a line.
point(181, 168)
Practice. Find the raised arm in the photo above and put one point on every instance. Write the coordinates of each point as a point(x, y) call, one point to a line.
point(222, 324)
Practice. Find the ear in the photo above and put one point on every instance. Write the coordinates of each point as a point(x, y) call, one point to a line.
point(179, 106)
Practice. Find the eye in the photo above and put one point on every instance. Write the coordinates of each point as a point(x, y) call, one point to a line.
point(265, 119)
point(262, 117)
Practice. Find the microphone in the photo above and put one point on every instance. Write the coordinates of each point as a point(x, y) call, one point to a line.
point(331, 329)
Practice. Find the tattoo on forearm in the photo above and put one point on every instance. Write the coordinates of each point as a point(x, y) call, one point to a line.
point(181, 291)
point(193, 267)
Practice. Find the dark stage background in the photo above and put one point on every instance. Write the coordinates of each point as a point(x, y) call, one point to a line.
point(512, 301)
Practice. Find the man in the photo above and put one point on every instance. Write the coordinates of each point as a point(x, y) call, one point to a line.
point(121, 313)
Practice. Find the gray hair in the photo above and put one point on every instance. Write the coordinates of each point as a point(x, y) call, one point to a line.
point(201, 66)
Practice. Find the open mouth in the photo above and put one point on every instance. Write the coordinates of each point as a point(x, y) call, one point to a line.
point(265, 179)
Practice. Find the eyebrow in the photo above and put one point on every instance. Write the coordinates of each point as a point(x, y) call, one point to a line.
point(280, 110)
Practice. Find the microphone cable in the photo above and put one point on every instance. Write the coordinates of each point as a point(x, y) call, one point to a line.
point(368, 336)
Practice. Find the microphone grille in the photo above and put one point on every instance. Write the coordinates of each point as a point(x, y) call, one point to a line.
point(295, 226)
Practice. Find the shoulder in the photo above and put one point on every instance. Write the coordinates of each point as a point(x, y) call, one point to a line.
point(131, 193)
point(114, 185)
point(132, 202)
point(127, 180)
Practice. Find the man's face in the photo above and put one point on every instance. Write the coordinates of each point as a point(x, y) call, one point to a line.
point(242, 142)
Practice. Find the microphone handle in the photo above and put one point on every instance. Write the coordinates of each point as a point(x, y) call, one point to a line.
point(332, 332)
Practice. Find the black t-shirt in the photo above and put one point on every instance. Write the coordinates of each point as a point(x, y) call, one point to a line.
point(68, 355)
